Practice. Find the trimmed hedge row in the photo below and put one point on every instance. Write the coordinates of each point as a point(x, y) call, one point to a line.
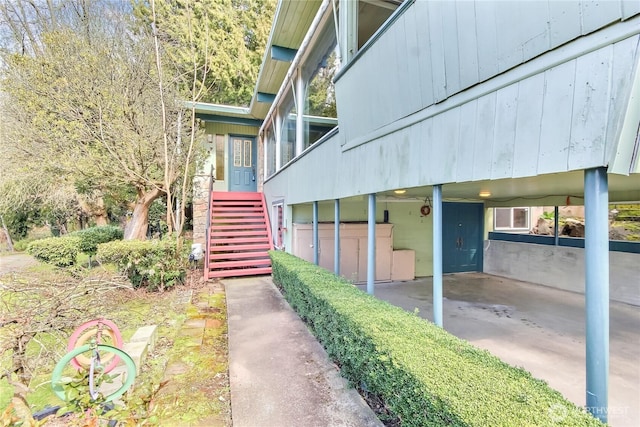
point(154, 264)
point(59, 251)
point(90, 238)
point(425, 375)
point(63, 251)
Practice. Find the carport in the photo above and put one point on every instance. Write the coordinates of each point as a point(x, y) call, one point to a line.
point(539, 328)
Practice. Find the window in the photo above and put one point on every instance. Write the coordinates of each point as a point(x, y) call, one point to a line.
point(219, 157)
point(511, 219)
point(288, 130)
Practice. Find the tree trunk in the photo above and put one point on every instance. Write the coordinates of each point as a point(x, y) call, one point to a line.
point(6, 233)
point(137, 227)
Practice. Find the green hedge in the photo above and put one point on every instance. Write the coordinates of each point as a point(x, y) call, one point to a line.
point(59, 251)
point(425, 375)
point(90, 238)
point(154, 264)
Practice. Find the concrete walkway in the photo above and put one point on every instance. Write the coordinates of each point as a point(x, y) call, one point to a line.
point(280, 376)
point(538, 328)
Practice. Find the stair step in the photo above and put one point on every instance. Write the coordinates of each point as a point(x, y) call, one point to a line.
point(220, 215)
point(247, 263)
point(236, 195)
point(238, 233)
point(233, 240)
point(240, 272)
point(224, 209)
point(238, 255)
point(235, 248)
point(237, 221)
point(238, 203)
point(261, 226)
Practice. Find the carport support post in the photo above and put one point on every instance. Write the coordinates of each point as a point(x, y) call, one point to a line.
point(371, 246)
point(437, 255)
point(316, 243)
point(556, 224)
point(336, 237)
point(596, 252)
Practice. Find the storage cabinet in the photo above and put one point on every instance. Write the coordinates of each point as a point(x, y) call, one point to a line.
point(353, 248)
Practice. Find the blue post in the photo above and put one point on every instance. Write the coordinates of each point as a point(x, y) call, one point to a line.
point(336, 236)
point(371, 246)
point(437, 255)
point(316, 242)
point(556, 224)
point(596, 252)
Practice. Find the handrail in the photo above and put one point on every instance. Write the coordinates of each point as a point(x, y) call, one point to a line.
point(267, 221)
point(208, 226)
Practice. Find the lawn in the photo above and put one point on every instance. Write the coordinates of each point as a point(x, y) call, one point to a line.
point(49, 303)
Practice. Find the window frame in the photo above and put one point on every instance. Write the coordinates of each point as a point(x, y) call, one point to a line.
point(511, 226)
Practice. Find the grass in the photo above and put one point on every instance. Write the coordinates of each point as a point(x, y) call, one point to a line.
point(200, 393)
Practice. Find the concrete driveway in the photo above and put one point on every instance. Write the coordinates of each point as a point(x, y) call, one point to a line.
point(535, 327)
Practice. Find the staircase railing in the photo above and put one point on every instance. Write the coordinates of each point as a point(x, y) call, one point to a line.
point(208, 227)
point(266, 220)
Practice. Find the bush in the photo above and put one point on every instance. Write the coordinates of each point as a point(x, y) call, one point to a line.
point(425, 375)
point(59, 251)
point(153, 264)
point(90, 238)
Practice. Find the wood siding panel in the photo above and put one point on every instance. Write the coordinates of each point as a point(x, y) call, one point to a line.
point(528, 121)
point(437, 43)
point(466, 141)
point(413, 67)
point(590, 109)
point(451, 48)
point(487, 32)
point(483, 148)
point(423, 41)
point(505, 132)
point(467, 43)
point(630, 8)
point(534, 36)
point(445, 145)
point(555, 129)
point(564, 21)
point(597, 14)
point(508, 25)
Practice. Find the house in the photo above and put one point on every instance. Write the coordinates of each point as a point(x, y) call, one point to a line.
point(381, 131)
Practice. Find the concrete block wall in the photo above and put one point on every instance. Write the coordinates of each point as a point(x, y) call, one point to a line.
point(561, 267)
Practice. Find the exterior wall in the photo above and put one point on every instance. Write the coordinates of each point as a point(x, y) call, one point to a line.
point(561, 267)
point(410, 229)
point(506, 111)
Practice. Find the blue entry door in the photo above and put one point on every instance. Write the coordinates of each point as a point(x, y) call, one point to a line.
point(462, 230)
point(242, 163)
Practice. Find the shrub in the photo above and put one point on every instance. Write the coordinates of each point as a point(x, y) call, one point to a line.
point(425, 375)
point(59, 251)
point(90, 238)
point(153, 264)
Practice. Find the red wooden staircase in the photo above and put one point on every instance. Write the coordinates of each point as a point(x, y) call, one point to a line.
point(239, 236)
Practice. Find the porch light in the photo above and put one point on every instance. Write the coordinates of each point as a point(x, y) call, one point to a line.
point(484, 193)
point(399, 191)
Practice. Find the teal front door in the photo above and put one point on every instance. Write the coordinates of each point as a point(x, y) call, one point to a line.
point(462, 228)
point(242, 163)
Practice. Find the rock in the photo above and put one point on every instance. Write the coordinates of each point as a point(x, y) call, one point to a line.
point(573, 228)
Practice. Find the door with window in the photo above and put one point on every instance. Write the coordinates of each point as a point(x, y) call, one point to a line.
point(242, 163)
point(462, 228)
